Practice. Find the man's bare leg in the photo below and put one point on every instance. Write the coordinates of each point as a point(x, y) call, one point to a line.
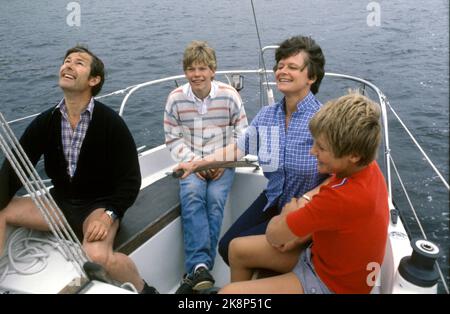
point(119, 266)
point(21, 212)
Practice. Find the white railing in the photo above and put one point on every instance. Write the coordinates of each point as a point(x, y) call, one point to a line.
point(384, 104)
point(381, 98)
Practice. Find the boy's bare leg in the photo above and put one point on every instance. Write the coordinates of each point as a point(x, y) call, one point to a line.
point(253, 252)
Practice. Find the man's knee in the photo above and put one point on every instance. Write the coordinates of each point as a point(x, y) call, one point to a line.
point(100, 257)
point(21, 211)
point(5, 213)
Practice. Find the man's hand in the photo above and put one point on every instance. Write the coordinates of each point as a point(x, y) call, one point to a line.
point(98, 227)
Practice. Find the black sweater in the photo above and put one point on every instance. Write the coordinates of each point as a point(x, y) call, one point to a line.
point(107, 168)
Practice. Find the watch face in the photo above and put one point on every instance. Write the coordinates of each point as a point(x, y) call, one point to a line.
point(111, 214)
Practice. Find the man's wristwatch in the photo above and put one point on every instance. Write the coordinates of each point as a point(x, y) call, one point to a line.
point(111, 214)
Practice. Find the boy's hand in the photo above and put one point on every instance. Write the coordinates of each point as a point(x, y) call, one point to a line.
point(217, 173)
point(293, 205)
point(288, 246)
point(187, 167)
point(202, 175)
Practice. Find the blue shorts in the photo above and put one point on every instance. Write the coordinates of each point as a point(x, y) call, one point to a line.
point(305, 272)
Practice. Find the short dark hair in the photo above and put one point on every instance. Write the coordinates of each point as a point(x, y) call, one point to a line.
point(315, 60)
point(97, 66)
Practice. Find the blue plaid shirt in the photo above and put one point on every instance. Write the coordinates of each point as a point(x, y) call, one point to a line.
point(73, 139)
point(284, 154)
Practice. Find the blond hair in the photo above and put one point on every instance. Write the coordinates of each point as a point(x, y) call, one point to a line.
point(199, 52)
point(351, 125)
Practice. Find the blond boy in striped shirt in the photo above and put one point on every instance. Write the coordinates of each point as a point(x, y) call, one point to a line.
point(200, 117)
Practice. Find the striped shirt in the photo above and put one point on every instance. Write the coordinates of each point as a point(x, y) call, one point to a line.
point(284, 154)
point(192, 131)
point(72, 139)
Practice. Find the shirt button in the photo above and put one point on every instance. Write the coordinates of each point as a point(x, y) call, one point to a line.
point(313, 290)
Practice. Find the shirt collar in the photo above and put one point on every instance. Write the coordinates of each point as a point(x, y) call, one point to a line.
point(202, 105)
point(187, 90)
point(63, 109)
point(305, 102)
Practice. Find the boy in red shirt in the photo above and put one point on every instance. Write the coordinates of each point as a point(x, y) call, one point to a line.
point(346, 217)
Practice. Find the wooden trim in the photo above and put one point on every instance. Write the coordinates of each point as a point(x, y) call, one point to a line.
point(147, 233)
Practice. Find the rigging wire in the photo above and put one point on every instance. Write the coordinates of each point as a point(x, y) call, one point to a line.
point(268, 89)
point(39, 194)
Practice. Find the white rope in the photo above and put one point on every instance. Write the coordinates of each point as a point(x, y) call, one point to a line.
point(27, 254)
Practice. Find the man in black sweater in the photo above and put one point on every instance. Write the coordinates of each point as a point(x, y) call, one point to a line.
point(91, 158)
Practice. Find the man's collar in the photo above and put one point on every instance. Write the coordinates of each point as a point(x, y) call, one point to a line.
point(62, 106)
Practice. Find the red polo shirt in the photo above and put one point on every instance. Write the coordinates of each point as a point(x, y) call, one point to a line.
point(348, 220)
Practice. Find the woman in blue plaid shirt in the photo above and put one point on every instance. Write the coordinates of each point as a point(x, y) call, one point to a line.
point(280, 137)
